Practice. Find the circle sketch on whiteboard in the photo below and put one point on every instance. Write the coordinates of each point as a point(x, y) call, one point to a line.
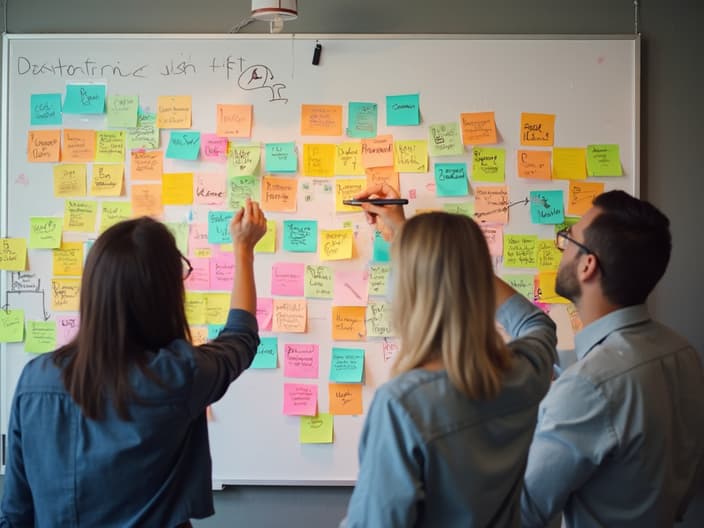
point(259, 77)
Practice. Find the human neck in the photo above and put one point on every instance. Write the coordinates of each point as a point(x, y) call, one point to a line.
point(592, 308)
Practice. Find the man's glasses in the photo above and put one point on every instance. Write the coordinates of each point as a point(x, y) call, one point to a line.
point(187, 268)
point(562, 238)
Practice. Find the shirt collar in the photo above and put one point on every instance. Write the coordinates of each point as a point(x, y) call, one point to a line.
point(594, 333)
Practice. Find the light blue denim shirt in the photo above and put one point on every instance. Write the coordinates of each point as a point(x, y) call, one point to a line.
point(431, 456)
point(620, 435)
point(64, 470)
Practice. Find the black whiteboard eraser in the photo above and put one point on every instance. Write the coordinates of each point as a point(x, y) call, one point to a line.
point(316, 54)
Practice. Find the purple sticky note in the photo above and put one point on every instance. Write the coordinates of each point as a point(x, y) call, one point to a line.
point(300, 360)
point(265, 312)
point(350, 288)
point(287, 278)
point(300, 399)
point(222, 271)
point(66, 328)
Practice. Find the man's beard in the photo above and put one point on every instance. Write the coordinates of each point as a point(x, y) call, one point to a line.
point(567, 284)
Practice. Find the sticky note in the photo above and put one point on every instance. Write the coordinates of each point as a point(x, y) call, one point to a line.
point(301, 236)
point(146, 165)
point(603, 160)
point(301, 360)
point(78, 145)
point(348, 323)
point(113, 212)
point(345, 398)
point(267, 353)
point(234, 120)
point(69, 180)
point(522, 283)
point(265, 313)
point(199, 335)
point(239, 188)
point(319, 160)
point(494, 235)
point(336, 244)
point(68, 259)
point(267, 244)
point(361, 120)
point(145, 135)
point(196, 308)
point(300, 399)
point(222, 271)
point(444, 140)
point(84, 99)
point(177, 188)
point(146, 200)
point(488, 164)
point(45, 232)
point(290, 315)
point(379, 320)
point(534, 164)
point(569, 164)
point(403, 110)
point(199, 279)
point(345, 189)
point(122, 111)
point(376, 175)
point(80, 215)
point(287, 278)
point(581, 196)
point(478, 128)
point(279, 194)
point(40, 337)
point(537, 130)
point(463, 208)
point(378, 279)
point(213, 148)
point(411, 156)
point(547, 207)
point(568, 222)
point(520, 251)
point(183, 145)
point(546, 289)
point(348, 159)
point(11, 326)
point(107, 180)
point(451, 179)
point(110, 146)
point(217, 307)
point(180, 231)
point(378, 151)
point(243, 160)
point(381, 250)
point(219, 227)
point(65, 294)
point(321, 120)
point(316, 429)
point(173, 111)
point(280, 157)
point(45, 109)
point(491, 204)
point(347, 365)
point(318, 282)
point(547, 255)
point(43, 146)
point(350, 288)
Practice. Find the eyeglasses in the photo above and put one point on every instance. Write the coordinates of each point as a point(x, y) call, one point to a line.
point(562, 238)
point(187, 268)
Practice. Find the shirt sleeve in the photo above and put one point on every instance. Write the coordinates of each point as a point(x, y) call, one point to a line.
point(573, 436)
point(389, 486)
point(219, 362)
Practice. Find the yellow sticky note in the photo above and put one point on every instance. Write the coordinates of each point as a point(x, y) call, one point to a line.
point(68, 259)
point(69, 180)
point(177, 188)
point(336, 244)
point(537, 130)
point(321, 120)
point(196, 308)
point(581, 196)
point(11, 326)
point(234, 120)
point(348, 323)
point(346, 189)
point(290, 315)
point(348, 159)
point(547, 255)
point(319, 160)
point(266, 244)
point(146, 165)
point(173, 111)
point(78, 146)
point(110, 146)
point(65, 294)
point(79, 215)
point(41, 337)
point(316, 429)
point(217, 307)
point(279, 194)
point(411, 156)
point(13, 254)
point(546, 289)
point(107, 180)
point(520, 251)
point(569, 163)
point(146, 200)
point(114, 212)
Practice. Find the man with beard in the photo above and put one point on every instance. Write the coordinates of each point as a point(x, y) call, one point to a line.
point(620, 435)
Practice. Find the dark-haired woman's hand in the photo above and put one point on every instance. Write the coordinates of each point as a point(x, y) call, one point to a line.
point(248, 226)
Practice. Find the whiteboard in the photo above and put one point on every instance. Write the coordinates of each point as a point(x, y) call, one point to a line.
point(590, 83)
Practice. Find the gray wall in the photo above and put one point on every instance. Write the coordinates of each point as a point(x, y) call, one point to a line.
point(673, 120)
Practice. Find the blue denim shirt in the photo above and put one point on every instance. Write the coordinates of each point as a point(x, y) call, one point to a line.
point(620, 436)
point(64, 470)
point(431, 456)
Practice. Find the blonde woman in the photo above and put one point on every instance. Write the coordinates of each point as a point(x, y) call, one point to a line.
point(446, 440)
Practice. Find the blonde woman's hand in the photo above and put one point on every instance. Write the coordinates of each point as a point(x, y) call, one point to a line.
point(247, 227)
point(387, 218)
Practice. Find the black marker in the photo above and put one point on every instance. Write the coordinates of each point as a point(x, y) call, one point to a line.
point(316, 53)
point(376, 201)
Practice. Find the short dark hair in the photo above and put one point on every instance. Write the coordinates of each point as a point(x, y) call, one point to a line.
point(131, 303)
point(631, 239)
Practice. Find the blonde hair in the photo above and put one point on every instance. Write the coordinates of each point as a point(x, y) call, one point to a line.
point(444, 305)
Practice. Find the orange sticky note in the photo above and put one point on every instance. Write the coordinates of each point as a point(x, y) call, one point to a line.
point(478, 128)
point(348, 323)
point(79, 145)
point(569, 164)
point(146, 200)
point(345, 398)
point(146, 165)
point(537, 130)
point(279, 194)
point(177, 188)
point(173, 111)
point(378, 151)
point(290, 315)
point(534, 164)
point(382, 175)
point(234, 120)
point(581, 195)
point(491, 204)
point(319, 160)
point(43, 146)
point(321, 120)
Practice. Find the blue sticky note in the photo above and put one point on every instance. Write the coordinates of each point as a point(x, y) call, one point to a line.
point(281, 157)
point(214, 331)
point(183, 145)
point(403, 110)
point(347, 365)
point(267, 354)
point(381, 249)
point(547, 207)
point(451, 179)
point(85, 99)
point(45, 109)
point(219, 227)
point(361, 120)
point(301, 236)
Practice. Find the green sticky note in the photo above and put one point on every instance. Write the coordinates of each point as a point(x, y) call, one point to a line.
point(347, 365)
point(378, 279)
point(11, 326)
point(361, 120)
point(316, 429)
point(520, 251)
point(110, 146)
point(382, 249)
point(145, 135)
point(45, 109)
point(267, 353)
point(464, 208)
point(45, 232)
point(547, 207)
point(569, 221)
point(122, 111)
point(180, 231)
point(451, 179)
point(239, 188)
point(113, 212)
point(488, 164)
point(603, 160)
point(403, 110)
point(523, 283)
point(444, 139)
point(281, 157)
point(84, 99)
point(318, 282)
point(41, 337)
point(301, 236)
point(183, 145)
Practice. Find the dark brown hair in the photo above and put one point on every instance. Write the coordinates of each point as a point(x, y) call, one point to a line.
point(132, 302)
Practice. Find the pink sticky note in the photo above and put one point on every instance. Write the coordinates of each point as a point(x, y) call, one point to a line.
point(494, 235)
point(350, 288)
point(287, 278)
point(300, 361)
point(198, 238)
point(222, 271)
point(300, 399)
point(265, 312)
point(66, 329)
point(209, 189)
point(199, 279)
point(213, 148)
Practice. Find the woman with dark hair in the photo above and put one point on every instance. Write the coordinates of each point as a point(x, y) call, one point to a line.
point(110, 429)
